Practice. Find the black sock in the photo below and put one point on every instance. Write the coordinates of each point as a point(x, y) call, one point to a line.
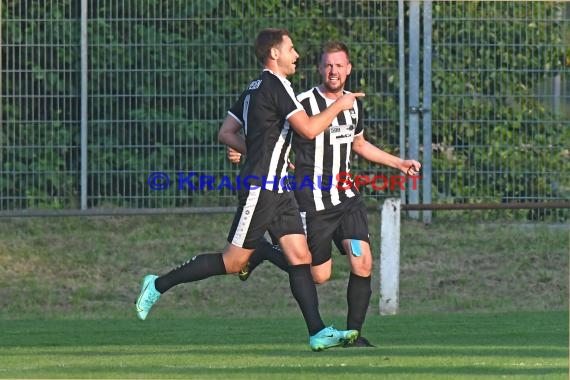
point(267, 251)
point(258, 256)
point(198, 268)
point(358, 295)
point(305, 292)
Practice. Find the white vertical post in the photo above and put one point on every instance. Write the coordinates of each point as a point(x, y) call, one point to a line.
point(390, 256)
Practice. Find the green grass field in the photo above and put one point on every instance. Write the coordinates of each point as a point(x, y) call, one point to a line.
point(464, 346)
point(477, 301)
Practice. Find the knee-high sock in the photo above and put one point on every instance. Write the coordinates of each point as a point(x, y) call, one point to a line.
point(305, 292)
point(267, 251)
point(197, 268)
point(358, 295)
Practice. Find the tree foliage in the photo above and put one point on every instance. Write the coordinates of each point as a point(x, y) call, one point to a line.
point(163, 74)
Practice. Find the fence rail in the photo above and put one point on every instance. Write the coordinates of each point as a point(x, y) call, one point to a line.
point(488, 206)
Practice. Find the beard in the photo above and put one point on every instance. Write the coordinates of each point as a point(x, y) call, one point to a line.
point(338, 86)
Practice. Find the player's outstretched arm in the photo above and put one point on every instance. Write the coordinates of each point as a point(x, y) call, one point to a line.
point(374, 154)
point(310, 127)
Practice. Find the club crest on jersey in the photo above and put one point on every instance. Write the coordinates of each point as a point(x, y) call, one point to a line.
point(353, 114)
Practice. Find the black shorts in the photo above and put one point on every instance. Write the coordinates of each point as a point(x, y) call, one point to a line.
point(263, 210)
point(348, 220)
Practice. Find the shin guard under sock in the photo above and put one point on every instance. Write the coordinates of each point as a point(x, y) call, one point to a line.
point(272, 253)
point(358, 295)
point(305, 292)
point(197, 268)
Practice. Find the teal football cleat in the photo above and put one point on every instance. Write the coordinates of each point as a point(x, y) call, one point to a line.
point(148, 297)
point(331, 337)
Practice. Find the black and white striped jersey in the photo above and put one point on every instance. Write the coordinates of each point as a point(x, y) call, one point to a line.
point(262, 110)
point(322, 162)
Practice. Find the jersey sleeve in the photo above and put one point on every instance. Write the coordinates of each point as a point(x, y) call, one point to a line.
point(286, 100)
point(236, 111)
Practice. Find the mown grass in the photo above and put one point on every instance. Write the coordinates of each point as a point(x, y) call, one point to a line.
point(477, 301)
point(438, 346)
point(91, 268)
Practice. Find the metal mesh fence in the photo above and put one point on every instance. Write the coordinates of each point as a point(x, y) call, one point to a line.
point(40, 105)
point(169, 72)
point(161, 76)
point(500, 101)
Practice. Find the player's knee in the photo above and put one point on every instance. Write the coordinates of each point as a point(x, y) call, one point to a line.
point(362, 270)
point(234, 265)
point(232, 268)
point(362, 267)
point(298, 258)
point(321, 277)
point(322, 272)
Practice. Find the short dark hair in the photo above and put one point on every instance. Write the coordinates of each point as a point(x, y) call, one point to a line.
point(267, 39)
point(333, 47)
